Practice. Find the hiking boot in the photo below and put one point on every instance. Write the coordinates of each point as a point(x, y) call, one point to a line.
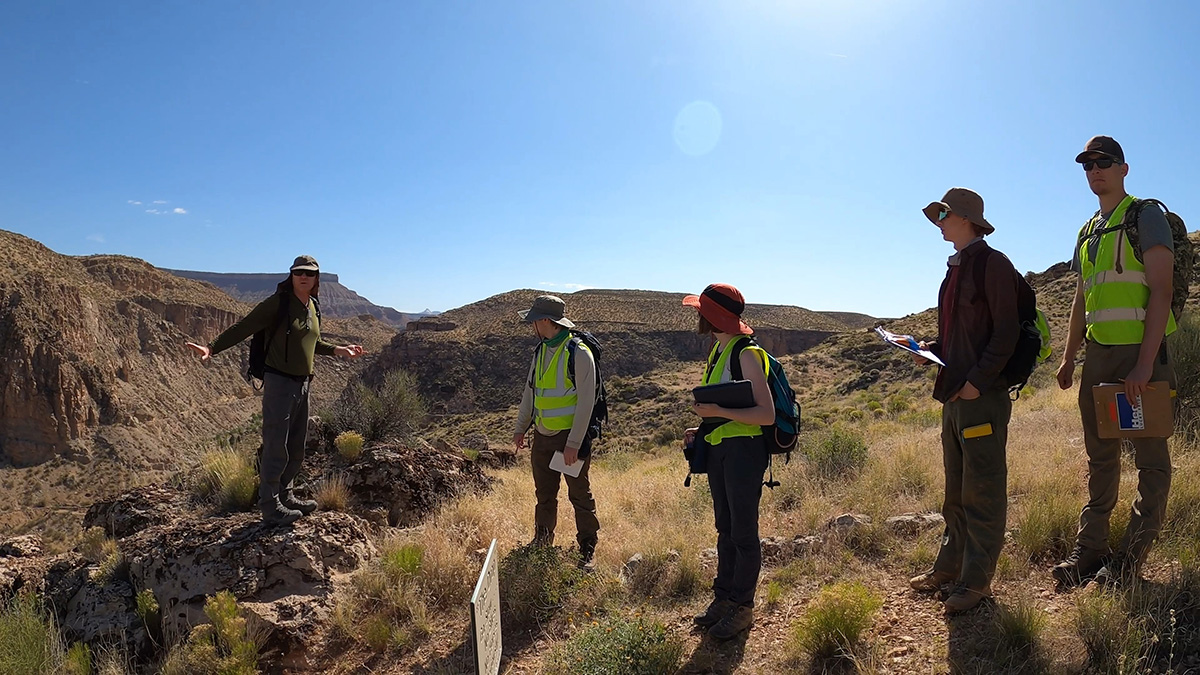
point(587, 555)
point(717, 610)
point(274, 513)
point(542, 536)
point(963, 597)
point(734, 622)
point(931, 581)
point(1080, 566)
point(1119, 572)
point(289, 501)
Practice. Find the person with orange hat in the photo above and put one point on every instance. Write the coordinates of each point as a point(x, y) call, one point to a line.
point(737, 458)
point(978, 328)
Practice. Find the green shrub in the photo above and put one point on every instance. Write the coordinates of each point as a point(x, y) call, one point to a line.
point(667, 435)
point(666, 574)
point(224, 646)
point(349, 445)
point(617, 646)
point(1019, 628)
point(28, 639)
point(535, 582)
point(774, 593)
point(393, 409)
point(834, 622)
point(1184, 345)
point(78, 660)
point(404, 561)
point(837, 452)
point(1112, 638)
point(230, 478)
point(898, 403)
point(1046, 528)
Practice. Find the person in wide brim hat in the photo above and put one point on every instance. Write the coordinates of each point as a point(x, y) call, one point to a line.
point(547, 307)
point(732, 444)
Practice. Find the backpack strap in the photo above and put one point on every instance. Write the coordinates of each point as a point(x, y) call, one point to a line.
point(735, 356)
point(283, 317)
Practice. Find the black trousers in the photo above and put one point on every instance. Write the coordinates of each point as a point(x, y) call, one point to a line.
point(735, 476)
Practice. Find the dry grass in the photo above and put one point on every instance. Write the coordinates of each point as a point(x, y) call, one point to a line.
point(332, 494)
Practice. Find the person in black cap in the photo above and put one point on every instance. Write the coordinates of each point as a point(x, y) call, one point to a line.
point(559, 394)
point(978, 327)
point(1122, 310)
point(289, 369)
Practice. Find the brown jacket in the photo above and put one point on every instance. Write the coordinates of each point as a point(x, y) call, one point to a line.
point(977, 327)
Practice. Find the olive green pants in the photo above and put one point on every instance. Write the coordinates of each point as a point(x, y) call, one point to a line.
point(546, 482)
point(1111, 363)
point(974, 439)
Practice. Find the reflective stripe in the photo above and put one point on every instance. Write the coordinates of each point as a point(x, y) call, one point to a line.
point(1117, 314)
point(1115, 277)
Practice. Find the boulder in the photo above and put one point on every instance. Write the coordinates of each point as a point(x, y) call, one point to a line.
point(135, 511)
point(911, 524)
point(24, 546)
point(408, 482)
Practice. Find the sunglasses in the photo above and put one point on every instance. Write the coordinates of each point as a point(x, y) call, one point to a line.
point(942, 214)
point(1102, 163)
point(304, 273)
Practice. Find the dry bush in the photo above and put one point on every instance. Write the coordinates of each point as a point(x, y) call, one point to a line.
point(229, 477)
point(332, 494)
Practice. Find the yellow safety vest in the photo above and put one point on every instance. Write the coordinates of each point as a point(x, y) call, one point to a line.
point(716, 372)
point(1115, 290)
point(554, 395)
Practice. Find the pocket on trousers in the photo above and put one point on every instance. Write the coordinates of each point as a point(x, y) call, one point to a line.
point(977, 431)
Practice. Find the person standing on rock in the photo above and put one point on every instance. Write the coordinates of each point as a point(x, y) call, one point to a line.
point(1122, 310)
point(978, 328)
point(559, 394)
point(290, 348)
point(737, 458)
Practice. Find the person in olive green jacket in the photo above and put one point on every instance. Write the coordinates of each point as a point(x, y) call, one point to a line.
point(291, 348)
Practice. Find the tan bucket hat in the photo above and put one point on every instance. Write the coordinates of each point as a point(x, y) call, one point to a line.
point(964, 202)
point(547, 307)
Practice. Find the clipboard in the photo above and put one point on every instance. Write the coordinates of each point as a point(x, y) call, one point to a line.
point(736, 394)
point(1152, 416)
point(559, 464)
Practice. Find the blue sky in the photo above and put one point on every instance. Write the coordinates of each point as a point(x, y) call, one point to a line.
point(434, 153)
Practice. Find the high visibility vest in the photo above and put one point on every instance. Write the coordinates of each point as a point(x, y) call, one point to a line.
point(1115, 290)
point(718, 372)
point(554, 395)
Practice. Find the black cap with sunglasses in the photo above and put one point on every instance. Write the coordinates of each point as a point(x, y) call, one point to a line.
point(1101, 151)
point(305, 265)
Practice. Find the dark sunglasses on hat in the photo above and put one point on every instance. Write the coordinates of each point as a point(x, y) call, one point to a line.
point(1102, 163)
point(304, 273)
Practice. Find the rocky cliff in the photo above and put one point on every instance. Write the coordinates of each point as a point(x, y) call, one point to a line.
point(475, 357)
point(337, 301)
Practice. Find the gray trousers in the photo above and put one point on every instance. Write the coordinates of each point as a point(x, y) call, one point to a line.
point(974, 452)
point(1111, 363)
point(284, 433)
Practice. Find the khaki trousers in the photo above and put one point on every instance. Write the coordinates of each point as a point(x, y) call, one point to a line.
point(1111, 363)
point(546, 482)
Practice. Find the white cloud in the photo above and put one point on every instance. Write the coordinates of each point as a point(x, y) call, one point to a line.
point(180, 211)
point(569, 287)
point(98, 238)
point(160, 201)
point(152, 211)
point(135, 202)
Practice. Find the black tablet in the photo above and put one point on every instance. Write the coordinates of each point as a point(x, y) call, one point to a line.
point(737, 394)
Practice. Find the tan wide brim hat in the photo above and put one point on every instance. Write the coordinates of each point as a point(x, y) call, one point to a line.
point(964, 202)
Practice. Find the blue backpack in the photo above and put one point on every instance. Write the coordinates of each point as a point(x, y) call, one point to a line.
point(781, 436)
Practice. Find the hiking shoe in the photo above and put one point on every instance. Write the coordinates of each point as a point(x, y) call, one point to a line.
point(717, 610)
point(734, 622)
point(931, 581)
point(289, 501)
point(1080, 566)
point(587, 555)
point(1117, 573)
point(274, 513)
point(964, 597)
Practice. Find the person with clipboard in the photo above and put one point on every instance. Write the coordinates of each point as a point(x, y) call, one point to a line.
point(737, 457)
point(560, 392)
